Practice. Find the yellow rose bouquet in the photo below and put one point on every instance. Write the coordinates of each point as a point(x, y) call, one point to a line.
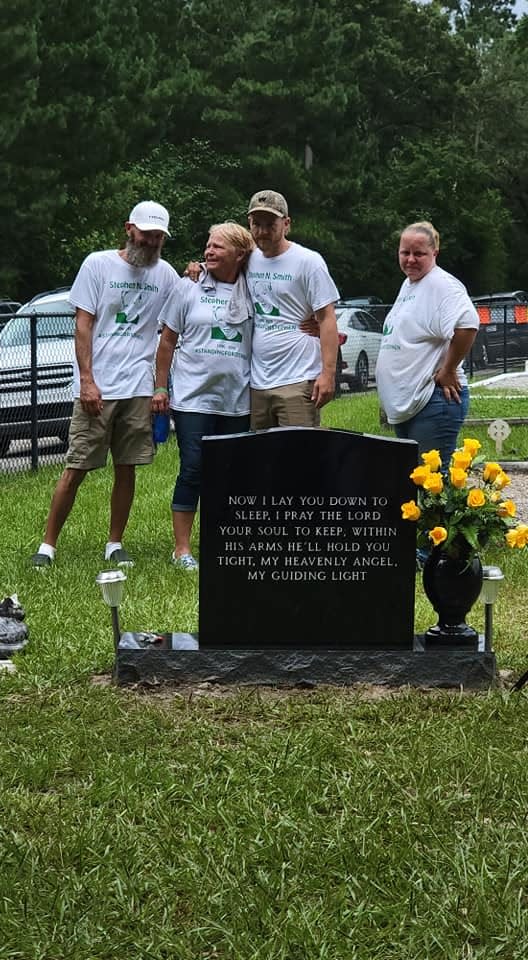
point(463, 510)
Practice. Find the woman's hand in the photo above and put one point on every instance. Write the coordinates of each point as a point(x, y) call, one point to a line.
point(449, 382)
point(447, 375)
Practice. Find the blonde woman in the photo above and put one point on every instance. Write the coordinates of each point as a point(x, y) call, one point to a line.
point(427, 334)
point(211, 321)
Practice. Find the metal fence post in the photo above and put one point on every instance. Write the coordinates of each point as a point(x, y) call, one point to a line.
point(33, 390)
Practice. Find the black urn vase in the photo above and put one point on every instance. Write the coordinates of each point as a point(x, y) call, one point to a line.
point(452, 586)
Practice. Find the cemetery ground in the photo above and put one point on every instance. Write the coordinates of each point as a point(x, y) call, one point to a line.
point(329, 824)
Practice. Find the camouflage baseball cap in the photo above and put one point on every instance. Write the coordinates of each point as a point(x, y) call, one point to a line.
point(269, 201)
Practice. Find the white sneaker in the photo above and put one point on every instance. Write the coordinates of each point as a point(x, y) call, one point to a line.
point(185, 562)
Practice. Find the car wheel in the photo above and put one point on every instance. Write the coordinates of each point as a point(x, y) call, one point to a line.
point(362, 371)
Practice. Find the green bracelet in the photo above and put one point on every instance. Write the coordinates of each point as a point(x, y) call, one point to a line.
point(161, 390)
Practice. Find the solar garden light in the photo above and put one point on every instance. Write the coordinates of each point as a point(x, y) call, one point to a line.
point(491, 580)
point(112, 584)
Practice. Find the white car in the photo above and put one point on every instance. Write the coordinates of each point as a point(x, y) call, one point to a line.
point(359, 352)
point(44, 389)
point(8, 308)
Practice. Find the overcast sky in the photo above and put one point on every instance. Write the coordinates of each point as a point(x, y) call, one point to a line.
point(521, 6)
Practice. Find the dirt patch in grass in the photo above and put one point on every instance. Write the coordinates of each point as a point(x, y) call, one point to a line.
point(356, 691)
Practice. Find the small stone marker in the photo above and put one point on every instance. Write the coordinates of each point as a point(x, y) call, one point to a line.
point(499, 431)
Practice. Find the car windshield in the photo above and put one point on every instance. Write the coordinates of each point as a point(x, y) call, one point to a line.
point(16, 332)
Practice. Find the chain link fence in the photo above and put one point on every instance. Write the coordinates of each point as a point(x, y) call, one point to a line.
point(36, 389)
point(36, 374)
point(502, 340)
point(501, 344)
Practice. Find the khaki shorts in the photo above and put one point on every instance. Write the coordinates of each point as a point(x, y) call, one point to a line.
point(124, 427)
point(289, 406)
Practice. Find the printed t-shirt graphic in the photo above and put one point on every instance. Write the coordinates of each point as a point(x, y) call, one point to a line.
point(210, 372)
point(221, 330)
point(286, 290)
point(123, 347)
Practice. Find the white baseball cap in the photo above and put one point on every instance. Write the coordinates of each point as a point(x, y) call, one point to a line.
point(149, 215)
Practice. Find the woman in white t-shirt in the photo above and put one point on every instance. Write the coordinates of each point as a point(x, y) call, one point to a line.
point(211, 321)
point(427, 334)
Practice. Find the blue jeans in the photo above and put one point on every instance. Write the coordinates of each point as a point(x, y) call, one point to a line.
point(437, 426)
point(190, 428)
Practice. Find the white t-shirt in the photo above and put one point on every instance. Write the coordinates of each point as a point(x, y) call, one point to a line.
point(126, 302)
point(210, 372)
point(416, 337)
point(285, 290)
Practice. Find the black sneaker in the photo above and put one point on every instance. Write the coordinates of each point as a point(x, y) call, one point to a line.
point(41, 560)
point(11, 608)
point(120, 558)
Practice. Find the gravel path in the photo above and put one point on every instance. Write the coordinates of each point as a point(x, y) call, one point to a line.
point(517, 490)
point(510, 381)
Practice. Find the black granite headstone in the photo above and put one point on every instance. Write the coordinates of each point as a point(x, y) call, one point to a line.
point(302, 542)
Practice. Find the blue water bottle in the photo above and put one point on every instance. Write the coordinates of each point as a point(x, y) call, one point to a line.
point(160, 427)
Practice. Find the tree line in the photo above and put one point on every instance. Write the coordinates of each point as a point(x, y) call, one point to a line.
point(366, 114)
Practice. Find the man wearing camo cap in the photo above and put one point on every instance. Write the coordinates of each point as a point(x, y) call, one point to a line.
point(292, 373)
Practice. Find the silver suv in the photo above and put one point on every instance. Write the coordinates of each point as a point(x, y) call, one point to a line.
point(41, 390)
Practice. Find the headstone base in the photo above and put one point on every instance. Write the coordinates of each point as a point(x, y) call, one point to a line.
point(471, 669)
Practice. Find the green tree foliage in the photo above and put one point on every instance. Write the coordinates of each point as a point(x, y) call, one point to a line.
point(440, 179)
point(497, 125)
point(99, 99)
point(19, 69)
point(185, 179)
point(480, 21)
point(275, 76)
point(365, 113)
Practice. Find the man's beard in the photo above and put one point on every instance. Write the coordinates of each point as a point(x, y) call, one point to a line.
point(141, 255)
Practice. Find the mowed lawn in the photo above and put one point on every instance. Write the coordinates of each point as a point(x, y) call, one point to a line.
point(253, 823)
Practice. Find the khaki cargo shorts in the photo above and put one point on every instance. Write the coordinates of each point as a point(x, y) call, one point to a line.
point(288, 406)
point(124, 427)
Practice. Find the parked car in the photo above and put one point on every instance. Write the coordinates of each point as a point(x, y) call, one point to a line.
point(371, 304)
point(342, 338)
point(7, 309)
point(503, 326)
point(359, 301)
point(360, 350)
point(54, 371)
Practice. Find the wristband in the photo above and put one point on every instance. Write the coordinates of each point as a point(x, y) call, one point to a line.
point(161, 390)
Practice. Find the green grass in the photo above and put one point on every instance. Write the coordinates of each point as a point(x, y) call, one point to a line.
point(360, 412)
point(313, 825)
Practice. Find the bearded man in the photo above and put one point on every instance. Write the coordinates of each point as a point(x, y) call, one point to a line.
point(118, 296)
